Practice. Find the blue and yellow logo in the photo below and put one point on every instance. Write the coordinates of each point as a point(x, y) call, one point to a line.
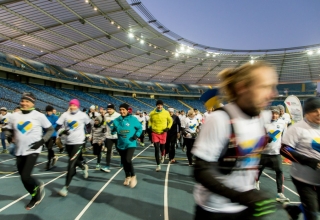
point(23, 127)
point(315, 144)
point(246, 147)
point(73, 124)
point(274, 135)
point(193, 126)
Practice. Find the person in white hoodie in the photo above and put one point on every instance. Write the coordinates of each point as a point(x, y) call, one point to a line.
point(110, 139)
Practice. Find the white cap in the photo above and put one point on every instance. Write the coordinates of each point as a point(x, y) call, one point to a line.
point(92, 107)
point(171, 109)
point(3, 109)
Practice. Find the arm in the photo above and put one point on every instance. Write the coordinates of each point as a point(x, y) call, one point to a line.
point(169, 120)
point(138, 128)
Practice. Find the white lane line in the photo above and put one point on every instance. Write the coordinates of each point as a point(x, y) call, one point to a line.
point(283, 185)
point(22, 197)
point(7, 160)
point(17, 171)
point(102, 188)
point(165, 206)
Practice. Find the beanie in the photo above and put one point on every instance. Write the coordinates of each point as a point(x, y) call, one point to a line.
point(281, 107)
point(125, 106)
point(110, 105)
point(49, 108)
point(159, 102)
point(275, 109)
point(311, 104)
point(171, 109)
point(28, 96)
point(74, 102)
point(92, 107)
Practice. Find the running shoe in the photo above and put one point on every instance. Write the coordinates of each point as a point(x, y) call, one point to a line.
point(167, 156)
point(141, 144)
point(37, 197)
point(98, 166)
point(282, 198)
point(184, 149)
point(133, 181)
point(257, 184)
point(63, 192)
point(5, 151)
point(54, 160)
point(158, 168)
point(162, 159)
point(151, 145)
point(172, 161)
point(85, 171)
point(127, 181)
point(105, 169)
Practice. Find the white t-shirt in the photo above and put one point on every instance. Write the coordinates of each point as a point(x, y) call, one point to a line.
point(199, 118)
point(109, 121)
point(27, 129)
point(182, 120)
point(205, 115)
point(286, 117)
point(305, 139)
point(191, 125)
point(75, 123)
point(213, 137)
point(5, 119)
point(142, 120)
point(96, 114)
point(275, 130)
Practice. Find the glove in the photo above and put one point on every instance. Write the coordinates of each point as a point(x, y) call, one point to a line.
point(259, 203)
point(64, 132)
point(135, 137)
point(166, 130)
point(36, 145)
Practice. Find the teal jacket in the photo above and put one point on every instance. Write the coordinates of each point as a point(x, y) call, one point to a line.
point(128, 129)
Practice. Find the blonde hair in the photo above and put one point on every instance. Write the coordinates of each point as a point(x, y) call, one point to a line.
point(190, 112)
point(231, 76)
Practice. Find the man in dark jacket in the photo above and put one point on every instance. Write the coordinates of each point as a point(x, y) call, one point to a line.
point(173, 135)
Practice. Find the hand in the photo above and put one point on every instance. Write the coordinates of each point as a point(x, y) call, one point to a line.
point(64, 132)
point(178, 135)
point(104, 130)
point(135, 137)
point(166, 130)
point(100, 143)
point(258, 202)
point(36, 145)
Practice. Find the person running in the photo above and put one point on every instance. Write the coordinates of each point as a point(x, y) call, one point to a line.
point(198, 115)
point(227, 148)
point(52, 159)
point(182, 118)
point(75, 122)
point(160, 122)
point(284, 116)
point(128, 129)
point(190, 132)
point(26, 127)
point(301, 144)
point(4, 119)
point(111, 139)
point(97, 137)
point(270, 156)
point(141, 118)
point(93, 113)
point(173, 135)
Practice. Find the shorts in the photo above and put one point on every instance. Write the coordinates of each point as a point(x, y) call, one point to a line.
point(159, 137)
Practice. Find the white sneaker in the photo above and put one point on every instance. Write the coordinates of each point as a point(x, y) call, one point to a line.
point(257, 185)
point(151, 145)
point(54, 160)
point(158, 168)
point(85, 171)
point(162, 159)
point(127, 181)
point(281, 198)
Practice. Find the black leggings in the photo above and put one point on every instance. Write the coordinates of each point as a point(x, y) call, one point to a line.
point(25, 165)
point(126, 158)
point(49, 145)
point(157, 148)
point(171, 145)
point(97, 151)
point(142, 137)
point(275, 163)
point(108, 143)
point(74, 152)
point(189, 144)
point(309, 197)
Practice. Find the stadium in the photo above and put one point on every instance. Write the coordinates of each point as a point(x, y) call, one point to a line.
point(115, 51)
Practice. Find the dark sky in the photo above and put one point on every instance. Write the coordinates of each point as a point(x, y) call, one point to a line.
point(241, 24)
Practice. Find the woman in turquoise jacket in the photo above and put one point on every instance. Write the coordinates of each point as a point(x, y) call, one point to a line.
point(128, 129)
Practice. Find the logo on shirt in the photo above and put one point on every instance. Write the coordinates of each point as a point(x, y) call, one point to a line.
point(192, 127)
point(128, 124)
point(24, 127)
point(248, 146)
point(73, 124)
point(315, 144)
point(274, 135)
point(110, 123)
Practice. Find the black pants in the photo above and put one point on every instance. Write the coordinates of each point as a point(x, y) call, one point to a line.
point(246, 214)
point(310, 198)
point(108, 143)
point(97, 148)
point(170, 145)
point(149, 131)
point(275, 163)
point(49, 146)
point(157, 148)
point(189, 144)
point(142, 137)
point(126, 158)
point(25, 165)
point(74, 151)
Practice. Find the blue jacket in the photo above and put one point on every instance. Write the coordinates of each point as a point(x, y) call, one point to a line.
point(53, 120)
point(128, 129)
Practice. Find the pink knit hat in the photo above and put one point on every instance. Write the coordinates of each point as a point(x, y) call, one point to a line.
point(75, 102)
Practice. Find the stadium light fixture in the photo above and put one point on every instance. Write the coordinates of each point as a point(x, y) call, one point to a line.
point(130, 35)
point(95, 8)
point(112, 22)
point(142, 41)
point(207, 54)
point(188, 50)
point(118, 27)
point(310, 52)
point(87, 1)
point(251, 61)
point(177, 54)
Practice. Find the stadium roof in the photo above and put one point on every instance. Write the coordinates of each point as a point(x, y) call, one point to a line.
point(115, 38)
